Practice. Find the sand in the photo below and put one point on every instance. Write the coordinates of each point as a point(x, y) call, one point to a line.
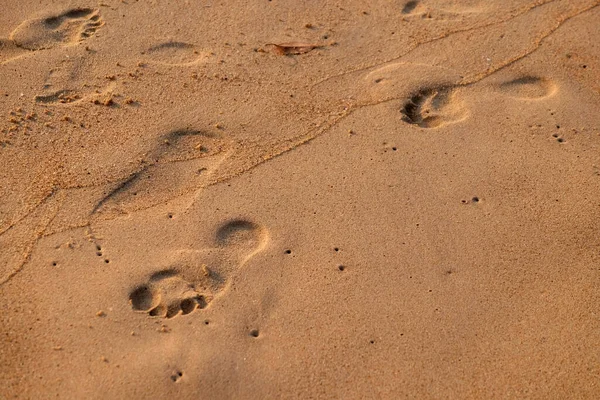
point(270, 199)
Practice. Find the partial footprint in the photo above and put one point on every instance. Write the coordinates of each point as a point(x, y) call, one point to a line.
point(9, 50)
point(453, 10)
point(181, 163)
point(196, 278)
point(245, 236)
point(528, 87)
point(175, 53)
point(434, 107)
point(68, 83)
point(70, 27)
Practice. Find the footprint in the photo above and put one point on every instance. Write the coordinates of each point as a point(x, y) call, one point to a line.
point(433, 108)
point(528, 87)
point(243, 235)
point(451, 11)
point(175, 53)
point(196, 278)
point(67, 28)
point(182, 162)
point(166, 295)
point(68, 83)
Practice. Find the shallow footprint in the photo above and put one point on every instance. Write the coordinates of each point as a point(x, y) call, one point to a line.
point(181, 163)
point(434, 107)
point(528, 87)
point(242, 236)
point(69, 27)
point(450, 11)
point(175, 53)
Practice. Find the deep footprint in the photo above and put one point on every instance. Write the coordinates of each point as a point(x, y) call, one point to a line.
point(166, 295)
point(196, 278)
point(67, 28)
point(433, 107)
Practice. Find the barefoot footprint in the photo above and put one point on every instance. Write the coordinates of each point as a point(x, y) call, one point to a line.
point(66, 28)
point(528, 87)
point(432, 108)
point(166, 295)
point(175, 53)
point(199, 277)
point(181, 162)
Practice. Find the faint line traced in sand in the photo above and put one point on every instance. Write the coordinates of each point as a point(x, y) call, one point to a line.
point(195, 281)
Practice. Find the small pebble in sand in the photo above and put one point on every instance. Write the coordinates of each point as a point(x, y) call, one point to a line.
point(100, 314)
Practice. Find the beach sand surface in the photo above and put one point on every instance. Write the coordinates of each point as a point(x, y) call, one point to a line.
point(282, 199)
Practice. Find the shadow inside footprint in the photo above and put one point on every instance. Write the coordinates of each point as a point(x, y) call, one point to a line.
point(174, 53)
point(433, 107)
point(237, 232)
point(66, 28)
point(409, 6)
point(528, 87)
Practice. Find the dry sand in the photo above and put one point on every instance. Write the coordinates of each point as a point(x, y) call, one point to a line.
point(284, 199)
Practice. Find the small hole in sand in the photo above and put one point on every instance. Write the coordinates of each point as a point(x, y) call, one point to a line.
point(341, 267)
point(394, 148)
point(98, 247)
point(372, 341)
point(176, 376)
point(99, 253)
point(54, 264)
point(107, 261)
point(206, 322)
point(475, 199)
point(254, 333)
point(336, 249)
point(560, 140)
point(555, 135)
point(288, 252)
point(170, 216)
